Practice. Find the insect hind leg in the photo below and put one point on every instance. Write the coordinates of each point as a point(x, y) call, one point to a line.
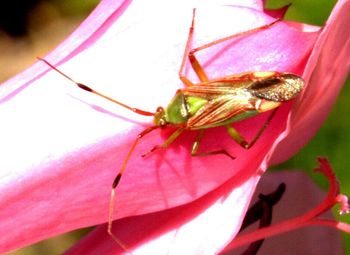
point(193, 61)
point(197, 67)
point(230, 37)
point(235, 135)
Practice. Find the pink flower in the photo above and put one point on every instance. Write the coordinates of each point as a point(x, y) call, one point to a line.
point(295, 202)
point(61, 147)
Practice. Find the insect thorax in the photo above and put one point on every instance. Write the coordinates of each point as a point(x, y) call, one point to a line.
point(182, 107)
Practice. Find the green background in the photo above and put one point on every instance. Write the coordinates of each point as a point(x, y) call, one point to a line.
point(332, 140)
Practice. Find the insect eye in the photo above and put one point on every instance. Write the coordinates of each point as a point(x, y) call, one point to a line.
point(160, 109)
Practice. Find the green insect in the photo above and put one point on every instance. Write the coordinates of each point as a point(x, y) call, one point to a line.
point(211, 103)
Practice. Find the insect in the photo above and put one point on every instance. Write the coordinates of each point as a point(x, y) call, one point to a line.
point(210, 103)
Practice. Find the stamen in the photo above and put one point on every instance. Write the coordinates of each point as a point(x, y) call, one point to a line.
point(309, 218)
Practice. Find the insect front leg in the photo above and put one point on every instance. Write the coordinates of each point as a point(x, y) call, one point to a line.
point(115, 185)
point(195, 147)
point(235, 135)
point(167, 142)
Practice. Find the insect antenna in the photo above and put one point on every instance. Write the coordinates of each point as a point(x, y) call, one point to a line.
point(88, 89)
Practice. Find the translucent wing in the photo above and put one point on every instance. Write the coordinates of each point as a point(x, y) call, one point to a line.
point(218, 110)
point(235, 96)
point(277, 87)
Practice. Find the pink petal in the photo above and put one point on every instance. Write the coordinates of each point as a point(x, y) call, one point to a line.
point(169, 231)
point(326, 71)
point(206, 222)
point(62, 147)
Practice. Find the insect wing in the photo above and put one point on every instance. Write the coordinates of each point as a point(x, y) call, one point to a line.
point(227, 98)
point(279, 88)
point(224, 86)
point(218, 110)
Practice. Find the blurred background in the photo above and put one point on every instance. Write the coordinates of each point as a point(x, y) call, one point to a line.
point(30, 28)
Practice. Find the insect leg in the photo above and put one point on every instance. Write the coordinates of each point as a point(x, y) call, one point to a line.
point(247, 32)
point(262, 129)
point(241, 140)
point(197, 67)
point(196, 143)
point(200, 72)
point(195, 147)
point(235, 135)
point(167, 142)
point(88, 89)
point(116, 182)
